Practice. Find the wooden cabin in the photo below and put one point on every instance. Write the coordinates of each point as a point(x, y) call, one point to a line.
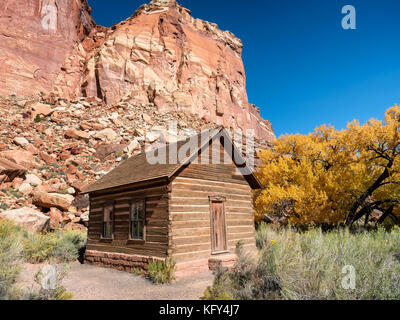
point(195, 211)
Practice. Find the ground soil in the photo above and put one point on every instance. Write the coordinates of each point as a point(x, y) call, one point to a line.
point(87, 282)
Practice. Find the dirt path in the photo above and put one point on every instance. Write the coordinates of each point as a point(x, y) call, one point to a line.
point(92, 283)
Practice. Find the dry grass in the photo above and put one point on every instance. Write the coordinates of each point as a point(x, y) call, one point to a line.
point(310, 265)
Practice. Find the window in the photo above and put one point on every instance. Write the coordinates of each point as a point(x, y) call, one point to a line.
point(138, 220)
point(108, 221)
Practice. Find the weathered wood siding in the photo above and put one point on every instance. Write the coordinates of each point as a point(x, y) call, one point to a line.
point(156, 243)
point(190, 234)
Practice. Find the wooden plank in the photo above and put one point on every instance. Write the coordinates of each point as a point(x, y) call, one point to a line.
point(191, 256)
point(204, 201)
point(201, 194)
point(194, 240)
point(190, 208)
point(191, 248)
point(129, 195)
point(212, 184)
point(127, 250)
point(188, 216)
point(178, 233)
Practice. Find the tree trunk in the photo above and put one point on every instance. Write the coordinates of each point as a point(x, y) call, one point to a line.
point(361, 200)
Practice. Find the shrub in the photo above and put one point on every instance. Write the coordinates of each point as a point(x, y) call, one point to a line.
point(61, 246)
point(10, 258)
point(68, 245)
point(38, 119)
point(311, 265)
point(4, 206)
point(17, 245)
point(39, 247)
point(162, 272)
point(248, 280)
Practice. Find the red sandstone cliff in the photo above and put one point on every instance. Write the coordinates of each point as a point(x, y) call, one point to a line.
point(161, 56)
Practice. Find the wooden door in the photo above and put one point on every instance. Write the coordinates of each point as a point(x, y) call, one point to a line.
point(218, 227)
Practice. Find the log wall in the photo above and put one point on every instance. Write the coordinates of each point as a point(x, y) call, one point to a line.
point(156, 244)
point(190, 235)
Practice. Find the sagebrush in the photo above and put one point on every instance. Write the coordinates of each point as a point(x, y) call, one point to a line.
point(162, 272)
point(312, 266)
point(18, 246)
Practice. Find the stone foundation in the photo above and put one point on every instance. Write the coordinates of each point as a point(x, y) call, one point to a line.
point(190, 268)
point(134, 263)
point(119, 261)
point(223, 261)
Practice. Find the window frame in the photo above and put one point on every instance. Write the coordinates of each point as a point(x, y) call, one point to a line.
point(112, 220)
point(143, 221)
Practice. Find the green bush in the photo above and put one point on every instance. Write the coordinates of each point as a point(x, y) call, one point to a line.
point(248, 280)
point(10, 258)
point(18, 246)
point(162, 272)
point(311, 266)
point(58, 247)
point(39, 247)
point(4, 206)
point(68, 245)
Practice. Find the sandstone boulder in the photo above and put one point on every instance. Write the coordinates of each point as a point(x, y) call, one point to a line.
point(55, 218)
point(21, 142)
point(49, 159)
point(20, 157)
point(105, 150)
point(75, 226)
point(28, 218)
point(33, 180)
point(25, 189)
point(41, 109)
point(49, 200)
point(106, 135)
point(9, 170)
point(76, 134)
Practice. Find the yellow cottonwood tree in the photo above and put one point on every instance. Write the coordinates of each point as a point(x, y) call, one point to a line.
point(332, 176)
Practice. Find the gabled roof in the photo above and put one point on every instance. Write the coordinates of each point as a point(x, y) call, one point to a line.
point(138, 169)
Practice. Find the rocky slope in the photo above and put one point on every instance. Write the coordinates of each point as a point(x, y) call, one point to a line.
point(50, 150)
point(160, 56)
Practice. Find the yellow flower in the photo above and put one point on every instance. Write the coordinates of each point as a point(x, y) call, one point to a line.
point(273, 242)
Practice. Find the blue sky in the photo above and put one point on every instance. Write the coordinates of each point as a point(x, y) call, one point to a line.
point(302, 68)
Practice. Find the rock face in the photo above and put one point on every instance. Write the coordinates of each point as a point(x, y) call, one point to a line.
point(40, 40)
point(30, 219)
point(160, 56)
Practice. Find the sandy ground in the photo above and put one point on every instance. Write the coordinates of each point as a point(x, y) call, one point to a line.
point(93, 283)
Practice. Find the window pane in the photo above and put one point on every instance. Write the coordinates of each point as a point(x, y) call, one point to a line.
point(134, 230)
point(140, 230)
point(141, 211)
point(133, 211)
point(108, 222)
point(137, 218)
point(107, 230)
